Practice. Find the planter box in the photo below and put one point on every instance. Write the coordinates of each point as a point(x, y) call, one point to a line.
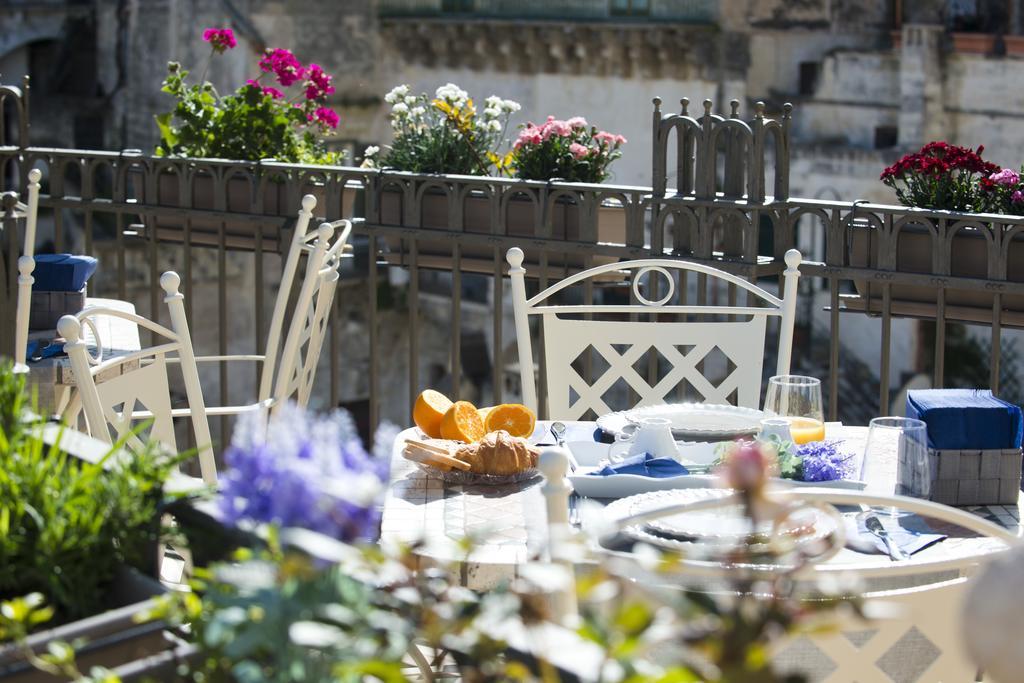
point(977, 43)
point(239, 230)
point(522, 220)
point(968, 257)
point(110, 639)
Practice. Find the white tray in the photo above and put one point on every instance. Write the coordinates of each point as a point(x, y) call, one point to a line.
point(693, 421)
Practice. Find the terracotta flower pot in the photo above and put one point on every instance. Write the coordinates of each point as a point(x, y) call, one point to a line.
point(968, 256)
point(239, 229)
point(524, 219)
point(976, 43)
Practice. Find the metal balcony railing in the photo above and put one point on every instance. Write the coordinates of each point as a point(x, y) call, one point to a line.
point(429, 235)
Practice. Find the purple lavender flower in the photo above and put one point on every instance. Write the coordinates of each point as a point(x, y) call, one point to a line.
point(822, 461)
point(306, 471)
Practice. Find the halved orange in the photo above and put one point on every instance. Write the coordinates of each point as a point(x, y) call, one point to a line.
point(462, 423)
point(514, 418)
point(429, 410)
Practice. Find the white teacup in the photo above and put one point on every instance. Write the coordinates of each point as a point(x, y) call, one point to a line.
point(652, 435)
point(775, 426)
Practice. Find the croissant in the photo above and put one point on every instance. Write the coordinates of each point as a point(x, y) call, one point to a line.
point(498, 453)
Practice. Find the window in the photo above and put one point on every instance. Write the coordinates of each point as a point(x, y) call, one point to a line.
point(886, 137)
point(631, 7)
point(809, 77)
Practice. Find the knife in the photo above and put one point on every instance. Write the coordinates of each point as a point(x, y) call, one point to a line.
point(874, 526)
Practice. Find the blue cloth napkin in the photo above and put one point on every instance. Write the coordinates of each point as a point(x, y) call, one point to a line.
point(645, 466)
point(966, 419)
point(62, 272)
point(911, 534)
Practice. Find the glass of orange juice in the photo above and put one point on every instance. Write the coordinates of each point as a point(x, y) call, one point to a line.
point(798, 399)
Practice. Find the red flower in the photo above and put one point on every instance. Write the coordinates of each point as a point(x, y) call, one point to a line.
point(318, 83)
point(327, 118)
point(220, 39)
point(283, 64)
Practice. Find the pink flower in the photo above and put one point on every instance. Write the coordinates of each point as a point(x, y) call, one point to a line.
point(1017, 197)
point(318, 83)
point(328, 118)
point(273, 92)
point(577, 122)
point(1005, 177)
point(530, 135)
point(220, 39)
point(283, 64)
point(578, 150)
point(610, 139)
point(555, 127)
point(747, 465)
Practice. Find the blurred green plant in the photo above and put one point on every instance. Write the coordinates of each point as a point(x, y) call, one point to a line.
point(66, 524)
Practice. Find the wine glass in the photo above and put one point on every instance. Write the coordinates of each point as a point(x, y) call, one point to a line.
point(897, 450)
point(798, 399)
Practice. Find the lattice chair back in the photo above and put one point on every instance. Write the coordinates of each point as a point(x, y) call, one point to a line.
point(920, 639)
point(622, 343)
point(300, 237)
point(136, 386)
point(26, 266)
point(302, 347)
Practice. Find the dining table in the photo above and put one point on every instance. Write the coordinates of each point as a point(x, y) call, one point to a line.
point(508, 525)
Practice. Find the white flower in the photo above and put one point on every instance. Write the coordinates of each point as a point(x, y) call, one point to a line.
point(511, 106)
point(417, 112)
point(452, 93)
point(493, 125)
point(397, 92)
point(410, 99)
point(400, 109)
point(492, 113)
point(493, 102)
point(371, 151)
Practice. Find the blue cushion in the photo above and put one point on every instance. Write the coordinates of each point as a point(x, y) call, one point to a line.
point(62, 272)
point(966, 419)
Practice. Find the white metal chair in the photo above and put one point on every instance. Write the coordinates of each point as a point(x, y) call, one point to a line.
point(26, 266)
point(741, 342)
point(301, 352)
point(922, 640)
point(142, 392)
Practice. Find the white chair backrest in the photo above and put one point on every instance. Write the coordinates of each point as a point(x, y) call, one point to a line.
point(26, 266)
point(301, 353)
point(742, 343)
point(138, 382)
point(300, 237)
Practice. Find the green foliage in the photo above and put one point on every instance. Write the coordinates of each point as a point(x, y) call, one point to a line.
point(249, 124)
point(65, 525)
point(565, 150)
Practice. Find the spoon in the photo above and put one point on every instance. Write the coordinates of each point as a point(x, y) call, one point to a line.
point(558, 431)
point(874, 526)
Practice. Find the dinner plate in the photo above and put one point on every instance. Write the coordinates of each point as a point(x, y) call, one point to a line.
point(694, 421)
point(683, 531)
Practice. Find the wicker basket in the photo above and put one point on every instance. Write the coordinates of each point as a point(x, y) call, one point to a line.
point(975, 477)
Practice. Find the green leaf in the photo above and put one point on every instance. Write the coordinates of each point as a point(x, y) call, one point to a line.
point(167, 134)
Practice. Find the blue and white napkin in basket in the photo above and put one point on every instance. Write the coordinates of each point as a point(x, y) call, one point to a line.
point(966, 419)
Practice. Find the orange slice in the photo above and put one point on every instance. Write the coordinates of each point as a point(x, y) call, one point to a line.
point(429, 410)
point(514, 418)
point(462, 423)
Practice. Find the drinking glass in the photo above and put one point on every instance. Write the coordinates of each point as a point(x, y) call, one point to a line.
point(897, 450)
point(797, 399)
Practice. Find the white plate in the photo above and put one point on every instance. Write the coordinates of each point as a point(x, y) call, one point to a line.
point(696, 421)
point(715, 526)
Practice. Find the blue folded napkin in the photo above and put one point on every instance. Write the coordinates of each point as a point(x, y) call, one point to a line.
point(966, 419)
point(911, 534)
point(645, 466)
point(62, 272)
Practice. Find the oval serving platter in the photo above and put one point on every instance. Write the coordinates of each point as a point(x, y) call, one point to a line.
point(695, 421)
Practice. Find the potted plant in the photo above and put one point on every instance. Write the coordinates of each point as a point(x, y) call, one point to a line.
point(948, 183)
point(78, 546)
point(281, 114)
